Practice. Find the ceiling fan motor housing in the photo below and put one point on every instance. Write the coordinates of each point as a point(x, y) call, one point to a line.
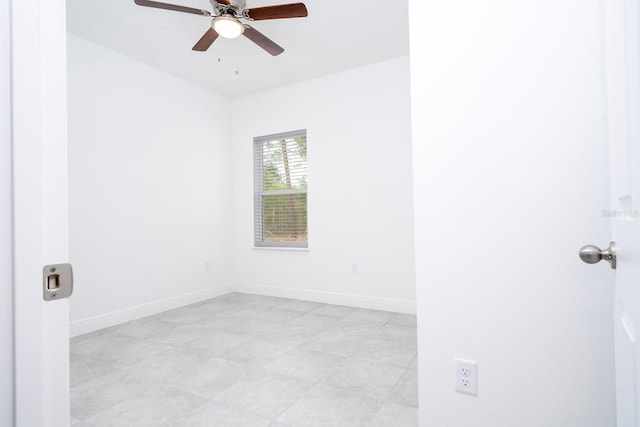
point(236, 6)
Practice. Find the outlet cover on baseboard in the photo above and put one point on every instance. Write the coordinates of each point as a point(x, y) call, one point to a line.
point(466, 376)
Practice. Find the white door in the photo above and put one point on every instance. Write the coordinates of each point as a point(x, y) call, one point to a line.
point(38, 68)
point(622, 45)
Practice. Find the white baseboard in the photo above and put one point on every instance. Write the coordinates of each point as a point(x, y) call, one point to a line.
point(102, 321)
point(114, 318)
point(360, 301)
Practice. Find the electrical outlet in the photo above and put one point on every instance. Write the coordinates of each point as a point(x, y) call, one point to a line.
point(467, 376)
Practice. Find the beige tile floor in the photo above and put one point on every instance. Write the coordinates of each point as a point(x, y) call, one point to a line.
point(246, 360)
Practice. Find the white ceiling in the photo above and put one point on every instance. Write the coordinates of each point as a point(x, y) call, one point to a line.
point(337, 35)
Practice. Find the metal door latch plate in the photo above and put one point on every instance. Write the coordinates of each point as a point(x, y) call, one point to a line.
point(57, 281)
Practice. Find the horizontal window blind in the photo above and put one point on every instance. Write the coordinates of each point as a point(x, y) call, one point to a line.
point(280, 183)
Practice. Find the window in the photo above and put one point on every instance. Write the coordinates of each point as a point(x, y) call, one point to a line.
point(280, 183)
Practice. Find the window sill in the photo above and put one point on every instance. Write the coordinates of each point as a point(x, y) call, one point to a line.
point(279, 249)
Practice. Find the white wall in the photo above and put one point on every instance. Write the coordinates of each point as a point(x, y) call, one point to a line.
point(150, 187)
point(360, 207)
point(510, 179)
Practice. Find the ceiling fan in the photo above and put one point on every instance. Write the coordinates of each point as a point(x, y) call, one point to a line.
point(226, 20)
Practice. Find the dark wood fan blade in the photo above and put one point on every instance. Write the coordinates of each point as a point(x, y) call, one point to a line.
point(261, 40)
point(175, 7)
point(293, 10)
point(206, 40)
point(223, 2)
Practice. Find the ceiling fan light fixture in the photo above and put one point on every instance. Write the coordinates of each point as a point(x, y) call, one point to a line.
point(227, 26)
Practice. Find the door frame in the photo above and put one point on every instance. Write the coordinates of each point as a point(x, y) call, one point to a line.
point(6, 249)
point(39, 215)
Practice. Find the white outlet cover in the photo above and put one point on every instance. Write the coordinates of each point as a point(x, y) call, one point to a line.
point(466, 376)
